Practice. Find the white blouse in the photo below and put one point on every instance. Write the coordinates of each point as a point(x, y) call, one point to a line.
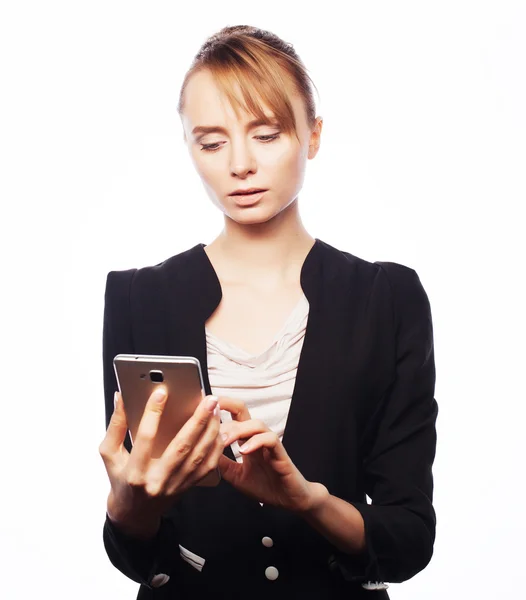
point(265, 381)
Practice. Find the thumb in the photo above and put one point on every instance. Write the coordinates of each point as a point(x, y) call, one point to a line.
point(117, 427)
point(229, 469)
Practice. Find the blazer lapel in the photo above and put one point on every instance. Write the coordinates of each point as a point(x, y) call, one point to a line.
point(315, 403)
point(193, 292)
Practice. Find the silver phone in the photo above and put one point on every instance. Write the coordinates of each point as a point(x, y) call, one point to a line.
point(137, 377)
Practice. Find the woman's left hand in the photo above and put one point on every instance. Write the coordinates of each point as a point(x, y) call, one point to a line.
point(267, 472)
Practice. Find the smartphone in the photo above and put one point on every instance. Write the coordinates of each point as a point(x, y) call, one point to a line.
point(137, 377)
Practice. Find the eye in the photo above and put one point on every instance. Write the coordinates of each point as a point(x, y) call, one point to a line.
point(268, 138)
point(210, 147)
point(263, 138)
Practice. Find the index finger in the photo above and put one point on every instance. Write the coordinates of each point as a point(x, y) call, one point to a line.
point(190, 433)
point(148, 426)
point(237, 408)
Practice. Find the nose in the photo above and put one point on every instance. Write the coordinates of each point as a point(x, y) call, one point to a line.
point(242, 161)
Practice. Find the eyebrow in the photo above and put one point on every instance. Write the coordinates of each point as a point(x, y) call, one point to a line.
point(203, 129)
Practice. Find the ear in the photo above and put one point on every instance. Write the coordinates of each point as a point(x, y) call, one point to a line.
point(314, 142)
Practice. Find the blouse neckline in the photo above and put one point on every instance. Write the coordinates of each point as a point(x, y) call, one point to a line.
point(239, 355)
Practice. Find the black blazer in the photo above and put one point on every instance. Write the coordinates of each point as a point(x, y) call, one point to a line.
point(361, 421)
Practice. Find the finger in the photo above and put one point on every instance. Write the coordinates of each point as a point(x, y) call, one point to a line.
point(205, 418)
point(113, 441)
point(267, 440)
point(237, 408)
point(201, 449)
point(183, 471)
point(230, 469)
point(148, 427)
point(242, 430)
point(211, 461)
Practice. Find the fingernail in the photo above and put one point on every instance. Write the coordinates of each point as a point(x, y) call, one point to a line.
point(159, 394)
point(115, 400)
point(244, 447)
point(211, 403)
point(224, 437)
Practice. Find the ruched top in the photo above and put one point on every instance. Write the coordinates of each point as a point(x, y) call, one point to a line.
point(264, 381)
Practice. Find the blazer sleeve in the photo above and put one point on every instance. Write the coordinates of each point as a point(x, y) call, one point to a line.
point(400, 522)
point(137, 559)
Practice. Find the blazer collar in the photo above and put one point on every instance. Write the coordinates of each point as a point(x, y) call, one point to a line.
point(194, 292)
point(202, 284)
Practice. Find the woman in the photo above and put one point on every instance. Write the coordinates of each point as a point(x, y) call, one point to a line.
point(318, 366)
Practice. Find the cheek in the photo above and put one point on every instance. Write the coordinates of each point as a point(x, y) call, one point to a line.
point(207, 168)
point(286, 160)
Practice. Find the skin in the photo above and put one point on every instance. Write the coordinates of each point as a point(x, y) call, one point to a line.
point(246, 158)
point(263, 247)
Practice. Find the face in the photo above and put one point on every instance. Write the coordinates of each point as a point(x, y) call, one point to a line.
point(245, 155)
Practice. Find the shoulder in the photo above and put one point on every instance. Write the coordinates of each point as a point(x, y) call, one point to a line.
point(398, 282)
point(392, 271)
point(122, 281)
point(400, 302)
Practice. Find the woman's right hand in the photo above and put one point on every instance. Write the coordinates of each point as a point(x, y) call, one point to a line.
point(142, 487)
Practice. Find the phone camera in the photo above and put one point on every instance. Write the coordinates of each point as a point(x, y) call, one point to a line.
point(156, 376)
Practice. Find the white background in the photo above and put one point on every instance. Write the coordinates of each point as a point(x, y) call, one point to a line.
point(422, 162)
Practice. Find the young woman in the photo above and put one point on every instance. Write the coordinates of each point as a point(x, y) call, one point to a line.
point(318, 367)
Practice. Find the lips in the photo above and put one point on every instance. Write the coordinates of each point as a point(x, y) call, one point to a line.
point(251, 199)
point(247, 192)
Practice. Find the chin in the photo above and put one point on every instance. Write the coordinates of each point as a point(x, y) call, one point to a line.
point(251, 215)
point(253, 219)
point(261, 212)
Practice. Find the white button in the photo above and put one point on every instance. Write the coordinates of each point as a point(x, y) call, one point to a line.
point(267, 542)
point(271, 573)
point(159, 580)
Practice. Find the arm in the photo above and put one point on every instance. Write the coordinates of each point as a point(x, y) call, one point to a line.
point(136, 552)
point(337, 520)
point(392, 538)
point(140, 559)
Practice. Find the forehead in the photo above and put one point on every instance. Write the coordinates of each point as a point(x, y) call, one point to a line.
point(206, 104)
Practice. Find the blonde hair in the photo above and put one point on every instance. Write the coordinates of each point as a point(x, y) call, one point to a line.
point(256, 60)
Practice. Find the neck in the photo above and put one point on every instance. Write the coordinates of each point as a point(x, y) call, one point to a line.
point(274, 250)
